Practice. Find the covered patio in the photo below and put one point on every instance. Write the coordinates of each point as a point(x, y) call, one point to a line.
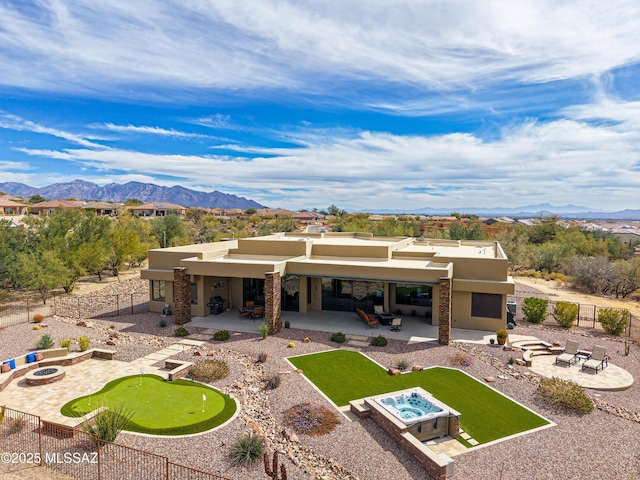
point(414, 329)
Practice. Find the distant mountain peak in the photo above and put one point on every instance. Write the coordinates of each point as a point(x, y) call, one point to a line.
point(147, 192)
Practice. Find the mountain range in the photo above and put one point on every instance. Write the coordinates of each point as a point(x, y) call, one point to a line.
point(527, 211)
point(146, 192)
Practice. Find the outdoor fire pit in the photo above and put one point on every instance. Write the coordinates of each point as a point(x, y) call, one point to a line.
point(44, 375)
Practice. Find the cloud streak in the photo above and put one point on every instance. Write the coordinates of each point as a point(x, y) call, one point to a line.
point(118, 47)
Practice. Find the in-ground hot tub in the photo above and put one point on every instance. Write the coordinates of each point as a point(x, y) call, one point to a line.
point(45, 375)
point(413, 406)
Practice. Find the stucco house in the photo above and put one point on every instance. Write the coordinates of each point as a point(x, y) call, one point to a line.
point(461, 284)
point(9, 207)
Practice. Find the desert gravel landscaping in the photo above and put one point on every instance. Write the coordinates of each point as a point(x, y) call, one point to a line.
point(599, 445)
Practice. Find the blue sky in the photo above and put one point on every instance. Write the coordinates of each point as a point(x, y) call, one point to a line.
point(364, 104)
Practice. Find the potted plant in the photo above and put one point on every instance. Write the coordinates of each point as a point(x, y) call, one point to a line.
point(502, 335)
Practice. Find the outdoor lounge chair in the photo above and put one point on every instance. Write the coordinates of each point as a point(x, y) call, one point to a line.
point(598, 359)
point(570, 352)
point(368, 319)
point(243, 314)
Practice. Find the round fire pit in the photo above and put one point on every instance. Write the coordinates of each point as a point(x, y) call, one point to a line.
point(44, 375)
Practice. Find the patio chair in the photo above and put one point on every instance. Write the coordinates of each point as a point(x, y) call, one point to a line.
point(598, 359)
point(249, 303)
point(258, 312)
point(570, 352)
point(396, 323)
point(243, 314)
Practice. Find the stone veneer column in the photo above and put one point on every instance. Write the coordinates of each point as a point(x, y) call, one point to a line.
point(272, 305)
point(181, 296)
point(444, 331)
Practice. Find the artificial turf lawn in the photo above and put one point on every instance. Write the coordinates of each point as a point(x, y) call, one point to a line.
point(484, 414)
point(160, 407)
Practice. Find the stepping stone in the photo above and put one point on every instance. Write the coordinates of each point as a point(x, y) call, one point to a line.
point(200, 336)
point(473, 442)
point(358, 338)
point(195, 343)
point(465, 435)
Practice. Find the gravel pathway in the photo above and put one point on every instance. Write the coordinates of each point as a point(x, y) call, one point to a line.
point(599, 445)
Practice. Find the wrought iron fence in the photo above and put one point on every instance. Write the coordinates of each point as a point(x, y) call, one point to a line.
point(22, 311)
point(80, 307)
point(71, 451)
point(587, 315)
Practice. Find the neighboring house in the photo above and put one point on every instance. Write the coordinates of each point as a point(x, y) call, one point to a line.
point(307, 216)
point(103, 208)
point(627, 234)
point(9, 207)
point(463, 284)
point(159, 209)
point(48, 207)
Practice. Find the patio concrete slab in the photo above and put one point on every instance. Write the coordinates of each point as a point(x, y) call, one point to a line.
point(611, 378)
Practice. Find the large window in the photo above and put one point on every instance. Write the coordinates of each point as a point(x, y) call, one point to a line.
point(347, 295)
point(417, 295)
point(488, 305)
point(253, 291)
point(157, 290)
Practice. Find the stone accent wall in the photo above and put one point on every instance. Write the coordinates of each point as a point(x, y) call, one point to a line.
point(434, 467)
point(444, 333)
point(272, 305)
point(181, 296)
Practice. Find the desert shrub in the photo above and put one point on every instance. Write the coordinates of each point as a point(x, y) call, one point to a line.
point(339, 337)
point(181, 332)
point(17, 424)
point(566, 314)
point(222, 335)
point(461, 359)
point(264, 330)
point(379, 341)
point(83, 343)
point(65, 343)
point(287, 324)
point(37, 318)
point(565, 394)
point(209, 370)
point(402, 364)
point(108, 423)
point(535, 309)
point(247, 449)
point(311, 419)
point(45, 342)
point(612, 320)
point(262, 358)
point(511, 361)
point(162, 323)
point(273, 381)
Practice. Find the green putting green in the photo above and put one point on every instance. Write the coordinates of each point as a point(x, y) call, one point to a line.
point(159, 407)
point(486, 415)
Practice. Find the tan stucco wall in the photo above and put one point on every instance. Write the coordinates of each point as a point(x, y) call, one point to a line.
point(461, 314)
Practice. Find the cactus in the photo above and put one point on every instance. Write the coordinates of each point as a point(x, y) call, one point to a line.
point(627, 347)
point(272, 470)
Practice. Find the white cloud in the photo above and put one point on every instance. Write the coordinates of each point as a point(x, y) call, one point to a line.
point(309, 47)
point(562, 161)
point(14, 122)
point(149, 130)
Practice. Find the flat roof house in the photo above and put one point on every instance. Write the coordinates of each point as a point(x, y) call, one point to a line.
point(462, 284)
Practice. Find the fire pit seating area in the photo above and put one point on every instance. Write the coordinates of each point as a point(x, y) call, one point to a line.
point(21, 365)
